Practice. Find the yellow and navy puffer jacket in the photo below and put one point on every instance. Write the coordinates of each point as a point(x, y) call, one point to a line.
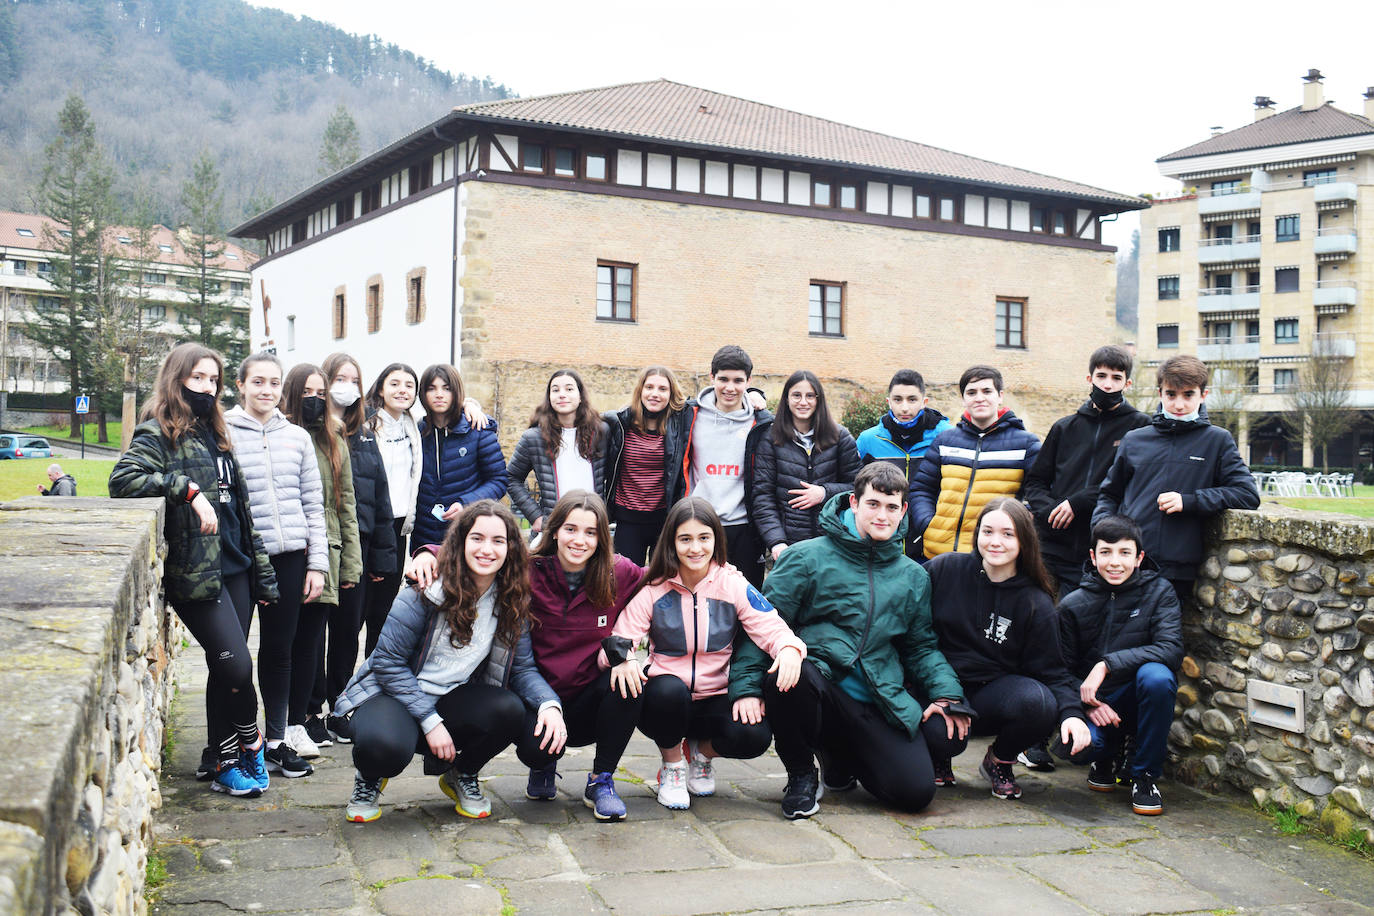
point(964, 468)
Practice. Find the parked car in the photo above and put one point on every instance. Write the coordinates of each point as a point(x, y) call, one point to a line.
point(12, 446)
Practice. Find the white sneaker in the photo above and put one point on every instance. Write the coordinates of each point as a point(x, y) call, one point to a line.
point(672, 786)
point(701, 775)
point(300, 742)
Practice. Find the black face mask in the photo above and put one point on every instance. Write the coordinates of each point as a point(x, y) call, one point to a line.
point(1106, 400)
point(200, 402)
point(312, 411)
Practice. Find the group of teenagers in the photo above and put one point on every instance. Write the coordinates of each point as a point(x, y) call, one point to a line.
point(863, 605)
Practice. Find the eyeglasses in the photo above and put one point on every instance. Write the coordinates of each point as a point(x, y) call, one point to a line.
point(801, 396)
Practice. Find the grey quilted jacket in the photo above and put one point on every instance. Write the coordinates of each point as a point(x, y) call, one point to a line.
point(530, 455)
point(284, 488)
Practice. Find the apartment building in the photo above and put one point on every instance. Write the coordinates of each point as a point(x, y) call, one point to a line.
point(651, 222)
point(27, 295)
point(1263, 261)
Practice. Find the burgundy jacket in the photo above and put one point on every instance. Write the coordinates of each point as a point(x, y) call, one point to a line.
point(568, 630)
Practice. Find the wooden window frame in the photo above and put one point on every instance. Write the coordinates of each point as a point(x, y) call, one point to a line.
point(829, 192)
point(339, 313)
point(553, 161)
point(634, 292)
point(373, 303)
point(858, 196)
point(416, 303)
point(843, 287)
point(543, 157)
point(953, 208)
point(607, 160)
point(1005, 341)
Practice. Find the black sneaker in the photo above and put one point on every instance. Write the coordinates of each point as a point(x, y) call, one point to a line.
point(282, 759)
point(315, 728)
point(341, 727)
point(1145, 797)
point(944, 771)
point(208, 766)
point(1036, 757)
point(799, 798)
point(1102, 776)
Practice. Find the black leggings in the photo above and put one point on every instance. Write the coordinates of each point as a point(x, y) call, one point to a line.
point(337, 655)
point(745, 550)
point(276, 634)
point(220, 625)
point(381, 595)
point(596, 715)
point(817, 716)
point(482, 720)
point(637, 532)
point(1019, 710)
point(305, 651)
point(670, 714)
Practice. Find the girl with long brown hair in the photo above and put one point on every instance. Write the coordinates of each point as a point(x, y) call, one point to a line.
point(216, 567)
point(453, 666)
point(644, 461)
point(565, 447)
point(994, 616)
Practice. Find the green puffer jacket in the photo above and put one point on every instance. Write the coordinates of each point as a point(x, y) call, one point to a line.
point(154, 467)
point(852, 599)
point(341, 524)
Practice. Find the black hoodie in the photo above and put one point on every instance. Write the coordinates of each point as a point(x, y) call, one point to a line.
point(1125, 625)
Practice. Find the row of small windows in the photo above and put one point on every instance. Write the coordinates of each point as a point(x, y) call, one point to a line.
point(1285, 332)
point(373, 302)
point(1287, 228)
point(1286, 280)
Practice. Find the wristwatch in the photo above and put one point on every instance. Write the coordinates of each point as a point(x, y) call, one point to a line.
point(192, 491)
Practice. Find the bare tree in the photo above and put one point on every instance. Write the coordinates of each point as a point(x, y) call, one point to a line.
point(1226, 391)
point(1319, 405)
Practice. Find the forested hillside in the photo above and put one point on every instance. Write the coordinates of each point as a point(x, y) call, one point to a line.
point(165, 79)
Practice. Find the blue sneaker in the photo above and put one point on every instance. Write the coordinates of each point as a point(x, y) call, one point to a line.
point(232, 780)
point(540, 786)
point(601, 797)
point(255, 764)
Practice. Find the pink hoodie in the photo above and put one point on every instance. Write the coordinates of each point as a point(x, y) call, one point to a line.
point(691, 633)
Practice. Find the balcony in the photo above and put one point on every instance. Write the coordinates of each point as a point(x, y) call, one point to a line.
point(1228, 349)
point(1228, 299)
point(1228, 251)
point(1333, 343)
point(1231, 200)
point(1335, 292)
point(1335, 240)
point(1334, 191)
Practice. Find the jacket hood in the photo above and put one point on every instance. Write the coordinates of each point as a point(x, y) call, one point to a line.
point(707, 401)
point(1171, 426)
point(835, 525)
point(239, 418)
point(1086, 409)
point(1007, 420)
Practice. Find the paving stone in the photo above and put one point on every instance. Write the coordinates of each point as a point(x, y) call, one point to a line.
point(997, 888)
point(776, 842)
point(554, 898)
point(1018, 840)
point(439, 897)
point(312, 889)
point(395, 833)
point(271, 853)
point(1121, 883)
point(1328, 868)
point(645, 846)
point(888, 908)
point(742, 889)
point(717, 808)
point(1127, 833)
point(1235, 879)
point(959, 808)
point(1316, 908)
point(875, 836)
point(522, 867)
point(243, 824)
point(378, 871)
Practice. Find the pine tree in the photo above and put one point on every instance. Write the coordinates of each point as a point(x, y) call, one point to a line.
point(340, 146)
point(208, 316)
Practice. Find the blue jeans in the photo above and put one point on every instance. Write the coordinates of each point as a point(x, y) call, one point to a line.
point(1146, 707)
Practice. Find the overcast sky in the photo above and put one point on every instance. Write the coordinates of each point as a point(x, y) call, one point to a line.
point(1092, 92)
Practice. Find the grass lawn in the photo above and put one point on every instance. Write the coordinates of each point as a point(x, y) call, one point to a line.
point(59, 433)
point(1361, 504)
point(22, 476)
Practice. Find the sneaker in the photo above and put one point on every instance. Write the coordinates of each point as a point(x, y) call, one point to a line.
point(701, 774)
point(1037, 758)
point(300, 742)
point(208, 766)
point(466, 793)
point(944, 771)
point(835, 778)
point(232, 780)
point(1123, 763)
point(1102, 776)
point(799, 798)
point(672, 786)
point(1000, 775)
point(1145, 797)
point(540, 786)
point(318, 732)
point(362, 805)
point(282, 759)
point(601, 797)
point(253, 763)
point(340, 727)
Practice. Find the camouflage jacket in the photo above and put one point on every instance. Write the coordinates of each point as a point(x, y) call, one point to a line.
point(154, 467)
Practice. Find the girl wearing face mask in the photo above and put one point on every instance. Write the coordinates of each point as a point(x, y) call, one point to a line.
point(377, 542)
point(216, 567)
point(283, 479)
point(565, 447)
point(304, 397)
point(645, 461)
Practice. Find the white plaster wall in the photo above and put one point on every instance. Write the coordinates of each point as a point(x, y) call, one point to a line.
point(302, 283)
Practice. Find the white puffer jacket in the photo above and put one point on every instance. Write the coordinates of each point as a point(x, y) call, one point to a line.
point(285, 494)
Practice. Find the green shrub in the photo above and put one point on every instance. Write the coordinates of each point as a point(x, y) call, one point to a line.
point(863, 410)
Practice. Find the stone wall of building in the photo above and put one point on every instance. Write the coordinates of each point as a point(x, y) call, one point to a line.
point(84, 692)
point(1284, 598)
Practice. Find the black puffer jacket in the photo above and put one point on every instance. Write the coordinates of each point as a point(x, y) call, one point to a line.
point(1126, 626)
point(530, 455)
point(780, 468)
point(372, 498)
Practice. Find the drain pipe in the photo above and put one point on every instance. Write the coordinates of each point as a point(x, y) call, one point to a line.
point(453, 258)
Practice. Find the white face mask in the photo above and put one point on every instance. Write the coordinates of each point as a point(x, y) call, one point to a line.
point(344, 394)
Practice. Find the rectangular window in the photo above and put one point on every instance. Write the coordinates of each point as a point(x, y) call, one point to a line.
point(1060, 224)
point(1285, 379)
point(154, 312)
point(1166, 336)
point(421, 176)
point(1252, 229)
point(1318, 176)
point(615, 291)
point(1252, 334)
point(1168, 287)
point(154, 279)
point(1252, 282)
point(238, 288)
point(374, 304)
point(1009, 323)
point(923, 206)
point(825, 318)
point(415, 296)
point(947, 208)
point(1286, 228)
point(1221, 281)
point(564, 161)
point(290, 332)
point(594, 167)
point(1037, 219)
point(1226, 187)
point(1285, 279)
point(340, 314)
point(849, 197)
point(717, 178)
point(1285, 330)
point(1168, 239)
point(821, 193)
point(531, 157)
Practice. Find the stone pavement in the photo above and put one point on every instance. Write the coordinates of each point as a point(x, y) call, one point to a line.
point(1061, 849)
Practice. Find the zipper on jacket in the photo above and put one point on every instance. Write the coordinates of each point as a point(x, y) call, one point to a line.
point(1097, 431)
point(868, 620)
point(696, 641)
point(276, 509)
point(968, 491)
point(810, 476)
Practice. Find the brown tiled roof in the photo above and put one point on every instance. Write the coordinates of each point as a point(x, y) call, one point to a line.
point(11, 223)
point(675, 113)
point(1291, 126)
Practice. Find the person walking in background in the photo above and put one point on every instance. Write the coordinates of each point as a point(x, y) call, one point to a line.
point(62, 484)
point(644, 459)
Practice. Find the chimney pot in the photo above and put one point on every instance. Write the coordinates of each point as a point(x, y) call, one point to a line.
point(1264, 107)
point(1217, 130)
point(1369, 103)
point(1312, 94)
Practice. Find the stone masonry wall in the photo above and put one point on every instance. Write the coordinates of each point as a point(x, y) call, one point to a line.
point(1284, 597)
point(84, 690)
